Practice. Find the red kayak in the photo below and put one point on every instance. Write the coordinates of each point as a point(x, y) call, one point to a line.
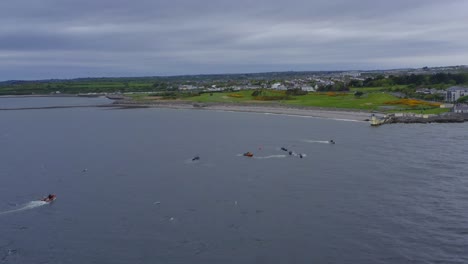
point(248, 154)
point(49, 198)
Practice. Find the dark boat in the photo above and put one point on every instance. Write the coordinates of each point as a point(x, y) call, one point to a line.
point(248, 154)
point(49, 198)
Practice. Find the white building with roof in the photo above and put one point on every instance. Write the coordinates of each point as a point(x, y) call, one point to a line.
point(309, 88)
point(278, 86)
point(187, 87)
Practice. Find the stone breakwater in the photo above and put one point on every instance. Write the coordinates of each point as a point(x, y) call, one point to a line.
point(420, 119)
point(445, 118)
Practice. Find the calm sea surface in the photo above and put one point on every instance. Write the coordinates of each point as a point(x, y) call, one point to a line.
point(33, 102)
point(128, 191)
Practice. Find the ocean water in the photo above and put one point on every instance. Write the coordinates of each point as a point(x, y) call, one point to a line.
point(37, 102)
point(128, 191)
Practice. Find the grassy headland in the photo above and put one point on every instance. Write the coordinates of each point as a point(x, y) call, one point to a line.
point(374, 100)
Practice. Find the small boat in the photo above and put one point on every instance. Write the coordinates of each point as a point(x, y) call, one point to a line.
point(248, 154)
point(195, 158)
point(284, 149)
point(49, 198)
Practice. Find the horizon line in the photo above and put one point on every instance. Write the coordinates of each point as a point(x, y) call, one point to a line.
point(236, 73)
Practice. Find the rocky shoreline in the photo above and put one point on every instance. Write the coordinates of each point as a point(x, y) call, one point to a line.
point(443, 118)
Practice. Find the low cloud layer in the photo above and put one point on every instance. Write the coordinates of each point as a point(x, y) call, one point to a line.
point(68, 38)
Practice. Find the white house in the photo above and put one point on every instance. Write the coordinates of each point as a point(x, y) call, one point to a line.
point(252, 87)
point(351, 74)
point(214, 89)
point(275, 85)
point(187, 87)
point(278, 86)
point(309, 88)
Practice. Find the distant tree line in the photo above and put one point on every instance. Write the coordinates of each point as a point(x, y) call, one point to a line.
point(413, 80)
point(336, 87)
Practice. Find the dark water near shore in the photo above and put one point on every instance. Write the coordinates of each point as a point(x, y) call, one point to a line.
point(55, 101)
point(393, 194)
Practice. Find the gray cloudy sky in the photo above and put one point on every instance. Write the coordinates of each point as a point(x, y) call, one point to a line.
point(80, 38)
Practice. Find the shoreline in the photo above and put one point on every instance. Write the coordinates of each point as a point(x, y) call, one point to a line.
point(271, 108)
point(37, 95)
point(317, 112)
point(343, 115)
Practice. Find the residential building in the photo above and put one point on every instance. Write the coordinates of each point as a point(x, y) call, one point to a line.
point(430, 91)
point(278, 86)
point(460, 108)
point(455, 92)
point(187, 87)
point(275, 85)
point(215, 89)
point(309, 88)
point(253, 87)
point(423, 91)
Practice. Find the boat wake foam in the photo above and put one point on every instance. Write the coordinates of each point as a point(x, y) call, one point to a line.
point(317, 141)
point(271, 157)
point(30, 205)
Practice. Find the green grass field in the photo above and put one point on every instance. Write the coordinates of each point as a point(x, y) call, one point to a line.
point(367, 89)
point(372, 100)
point(224, 97)
point(434, 111)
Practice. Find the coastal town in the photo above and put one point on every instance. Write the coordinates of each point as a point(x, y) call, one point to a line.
point(422, 95)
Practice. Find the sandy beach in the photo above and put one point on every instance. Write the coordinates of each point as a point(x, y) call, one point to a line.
point(266, 108)
point(339, 114)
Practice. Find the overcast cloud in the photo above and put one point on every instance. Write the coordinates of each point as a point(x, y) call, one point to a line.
point(88, 38)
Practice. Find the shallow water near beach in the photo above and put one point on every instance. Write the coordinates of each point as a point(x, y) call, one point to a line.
point(129, 192)
point(56, 101)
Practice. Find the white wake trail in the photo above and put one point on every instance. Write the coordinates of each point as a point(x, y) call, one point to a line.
point(30, 205)
point(271, 157)
point(317, 141)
